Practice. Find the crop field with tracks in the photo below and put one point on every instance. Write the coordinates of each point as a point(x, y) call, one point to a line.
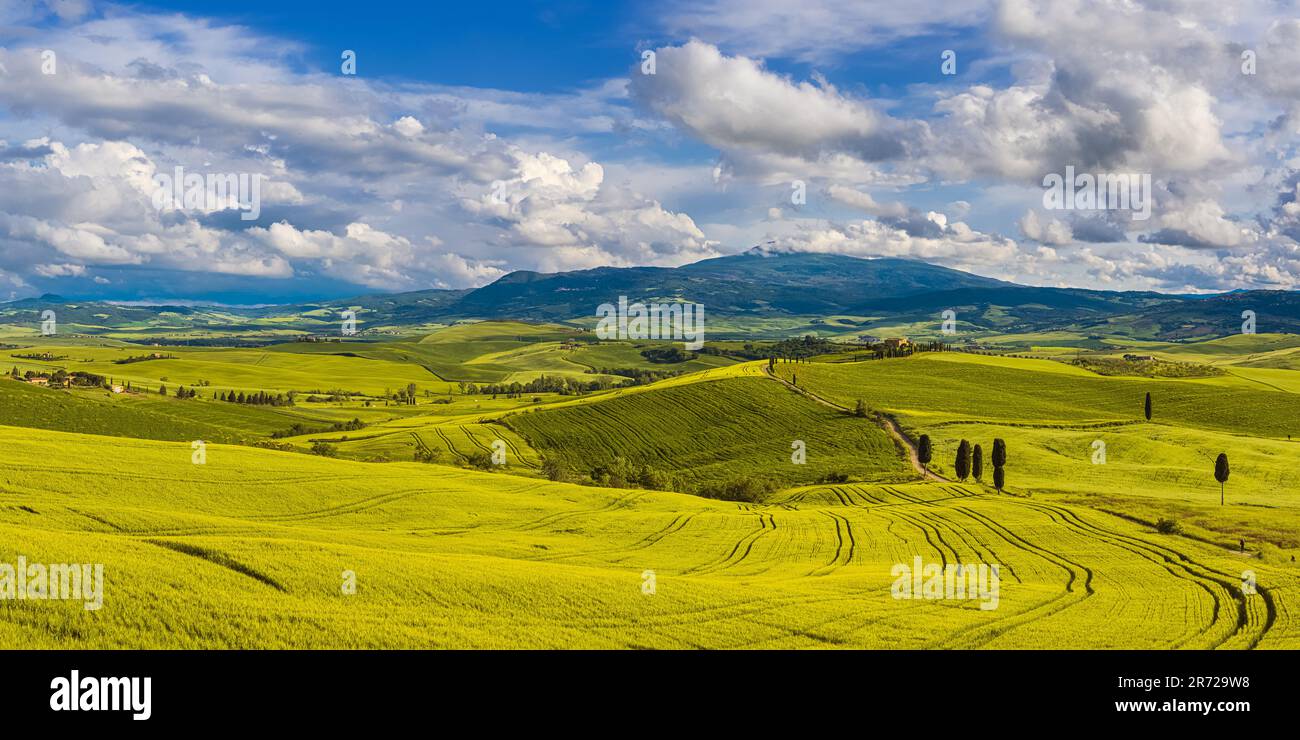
point(250, 550)
point(253, 547)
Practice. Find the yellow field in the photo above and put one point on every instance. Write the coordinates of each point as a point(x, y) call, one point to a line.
point(250, 550)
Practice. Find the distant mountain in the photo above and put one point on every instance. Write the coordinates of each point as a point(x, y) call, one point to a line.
point(749, 283)
point(756, 284)
point(87, 313)
point(1274, 311)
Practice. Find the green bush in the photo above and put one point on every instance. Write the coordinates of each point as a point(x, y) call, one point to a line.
point(1168, 526)
point(428, 455)
point(481, 460)
point(748, 489)
point(554, 470)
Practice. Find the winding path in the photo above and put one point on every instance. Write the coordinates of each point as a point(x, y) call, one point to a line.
point(884, 422)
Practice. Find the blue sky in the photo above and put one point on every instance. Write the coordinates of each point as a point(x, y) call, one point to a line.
point(487, 137)
point(530, 46)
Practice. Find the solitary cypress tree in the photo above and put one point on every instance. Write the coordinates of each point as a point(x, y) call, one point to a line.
point(1147, 408)
point(1221, 473)
point(923, 451)
point(962, 465)
point(977, 462)
point(999, 460)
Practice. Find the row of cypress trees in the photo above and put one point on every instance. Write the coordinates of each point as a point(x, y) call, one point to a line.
point(970, 460)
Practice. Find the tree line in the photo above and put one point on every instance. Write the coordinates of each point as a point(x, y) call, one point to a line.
point(260, 398)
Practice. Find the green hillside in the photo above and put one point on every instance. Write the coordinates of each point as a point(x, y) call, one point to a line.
point(713, 432)
point(961, 386)
point(1052, 415)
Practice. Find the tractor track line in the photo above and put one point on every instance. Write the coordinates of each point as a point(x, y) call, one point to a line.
point(447, 441)
point(835, 561)
point(618, 503)
point(474, 440)
point(730, 560)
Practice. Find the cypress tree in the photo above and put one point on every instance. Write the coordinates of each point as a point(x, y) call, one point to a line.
point(962, 465)
point(999, 453)
point(1221, 473)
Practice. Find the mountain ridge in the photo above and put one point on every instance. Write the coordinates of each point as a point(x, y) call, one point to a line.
point(755, 284)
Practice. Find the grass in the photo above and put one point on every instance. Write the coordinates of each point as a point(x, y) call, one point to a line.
point(250, 550)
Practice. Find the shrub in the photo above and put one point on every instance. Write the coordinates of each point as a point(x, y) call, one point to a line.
point(654, 479)
point(748, 489)
point(1168, 526)
point(481, 460)
point(554, 470)
point(668, 354)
